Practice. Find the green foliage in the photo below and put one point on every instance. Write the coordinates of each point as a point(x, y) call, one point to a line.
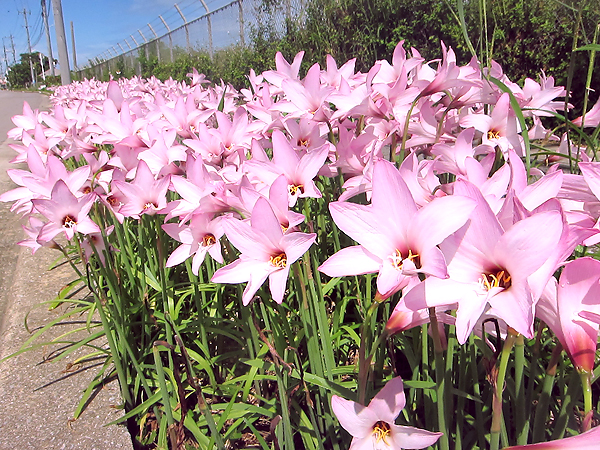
point(527, 37)
point(19, 75)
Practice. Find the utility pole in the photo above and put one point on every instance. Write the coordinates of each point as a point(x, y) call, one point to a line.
point(47, 27)
point(42, 64)
point(29, 47)
point(73, 47)
point(61, 40)
point(12, 43)
point(5, 58)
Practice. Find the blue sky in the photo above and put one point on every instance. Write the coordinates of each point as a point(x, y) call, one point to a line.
point(98, 25)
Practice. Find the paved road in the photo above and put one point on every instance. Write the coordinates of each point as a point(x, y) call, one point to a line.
point(37, 399)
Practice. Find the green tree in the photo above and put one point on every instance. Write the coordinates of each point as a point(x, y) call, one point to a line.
point(19, 75)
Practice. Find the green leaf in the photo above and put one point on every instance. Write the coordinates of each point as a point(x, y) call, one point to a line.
point(592, 47)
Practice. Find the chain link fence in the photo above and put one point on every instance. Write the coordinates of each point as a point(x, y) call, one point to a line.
point(228, 25)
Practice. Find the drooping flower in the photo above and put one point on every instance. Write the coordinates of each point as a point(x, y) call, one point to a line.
point(561, 304)
point(373, 427)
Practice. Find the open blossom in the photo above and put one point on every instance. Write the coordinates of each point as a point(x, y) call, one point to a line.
point(145, 194)
point(373, 427)
point(202, 235)
point(397, 239)
point(66, 213)
point(266, 252)
point(489, 268)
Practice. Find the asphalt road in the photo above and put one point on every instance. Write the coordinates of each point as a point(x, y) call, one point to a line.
point(37, 397)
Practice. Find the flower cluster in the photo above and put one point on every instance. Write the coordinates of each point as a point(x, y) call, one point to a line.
point(461, 223)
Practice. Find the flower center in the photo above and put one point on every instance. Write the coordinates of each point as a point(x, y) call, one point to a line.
point(69, 221)
point(150, 205)
point(397, 259)
point(113, 201)
point(381, 431)
point(500, 278)
point(493, 134)
point(279, 260)
point(208, 240)
point(294, 189)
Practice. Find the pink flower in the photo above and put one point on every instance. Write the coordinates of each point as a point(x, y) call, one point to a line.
point(145, 194)
point(561, 304)
point(397, 239)
point(584, 441)
point(490, 268)
point(266, 252)
point(202, 235)
point(373, 427)
point(66, 213)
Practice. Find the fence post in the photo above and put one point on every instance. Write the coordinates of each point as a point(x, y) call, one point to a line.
point(156, 40)
point(241, 20)
point(209, 23)
point(187, 32)
point(170, 38)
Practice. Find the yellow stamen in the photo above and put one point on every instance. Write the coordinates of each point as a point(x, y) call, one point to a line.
point(499, 279)
point(113, 201)
point(295, 188)
point(381, 431)
point(150, 205)
point(69, 221)
point(493, 134)
point(397, 259)
point(279, 260)
point(208, 240)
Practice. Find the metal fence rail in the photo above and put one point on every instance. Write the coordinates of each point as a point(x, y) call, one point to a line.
point(228, 25)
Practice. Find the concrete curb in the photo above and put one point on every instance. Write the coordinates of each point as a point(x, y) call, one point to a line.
point(37, 397)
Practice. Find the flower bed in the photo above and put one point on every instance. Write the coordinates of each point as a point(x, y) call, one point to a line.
point(206, 224)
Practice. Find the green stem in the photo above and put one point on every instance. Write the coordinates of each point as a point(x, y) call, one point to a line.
point(440, 380)
point(521, 422)
point(497, 415)
point(539, 423)
point(479, 422)
point(363, 362)
point(586, 383)
point(160, 372)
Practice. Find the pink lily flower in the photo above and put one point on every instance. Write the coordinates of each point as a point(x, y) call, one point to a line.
point(298, 170)
point(96, 240)
point(145, 195)
point(200, 237)
point(490, 267)
point(589, 119)
point(373, 427)
point(33, 231)
point(266, 252)
point(307, 98)
point(66, 213)
point(397, 240)
point(561, 304)
point(285, 70)
point(584, 441)
point(500, 128)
